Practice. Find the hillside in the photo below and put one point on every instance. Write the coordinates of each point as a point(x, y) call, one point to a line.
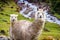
point(11, 8)
point(54, 31)
point(5, 12)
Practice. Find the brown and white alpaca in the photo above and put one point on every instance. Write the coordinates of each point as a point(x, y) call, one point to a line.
point(26, 30)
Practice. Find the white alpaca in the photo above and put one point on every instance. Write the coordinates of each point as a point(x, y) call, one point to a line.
point(13, 18)
point(26, 30)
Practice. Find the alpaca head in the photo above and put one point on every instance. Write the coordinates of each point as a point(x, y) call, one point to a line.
point(40, 15)
point(13, 17)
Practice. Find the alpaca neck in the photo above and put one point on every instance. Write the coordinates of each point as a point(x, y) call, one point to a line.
point(37, 25)
point(12, 23)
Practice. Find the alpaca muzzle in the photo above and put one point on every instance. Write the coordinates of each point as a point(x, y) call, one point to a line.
point(40, 17)
point(13, 20)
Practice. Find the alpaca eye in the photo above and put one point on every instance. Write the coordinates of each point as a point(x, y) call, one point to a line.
point(15, 17)
point(38, 13)
point(12, 17)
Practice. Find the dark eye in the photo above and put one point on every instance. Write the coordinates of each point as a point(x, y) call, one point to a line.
point(38, 13)
point(12, 17)
point(15, 17)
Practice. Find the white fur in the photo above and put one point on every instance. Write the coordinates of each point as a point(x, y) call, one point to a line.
point(13, 17)
point(39, 13)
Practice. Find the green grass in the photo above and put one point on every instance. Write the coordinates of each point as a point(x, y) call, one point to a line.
point(57, 15)
point(5, 22)
point(5, 16)
point(54, 31)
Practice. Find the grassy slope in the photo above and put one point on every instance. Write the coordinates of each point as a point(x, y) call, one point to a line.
point(54, 28)
point(54, 31)
point(4, 16)
point(57, 15)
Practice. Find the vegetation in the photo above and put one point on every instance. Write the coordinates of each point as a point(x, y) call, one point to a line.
point(10, 8)
point(5, 11)
point(54, 31)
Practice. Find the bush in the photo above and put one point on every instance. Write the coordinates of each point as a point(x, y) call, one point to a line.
point(2, 13)
point(2, 32)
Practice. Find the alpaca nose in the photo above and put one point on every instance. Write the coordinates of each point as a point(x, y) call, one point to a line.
point(13, 20)
point(40, 17)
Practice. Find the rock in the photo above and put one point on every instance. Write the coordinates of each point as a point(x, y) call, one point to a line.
point(12, 7)
point(16, 1)
point(51, 18)
point(4, 38)
point(28, 10)
point(32, 15)
point(58, 18)
point(33, 1)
